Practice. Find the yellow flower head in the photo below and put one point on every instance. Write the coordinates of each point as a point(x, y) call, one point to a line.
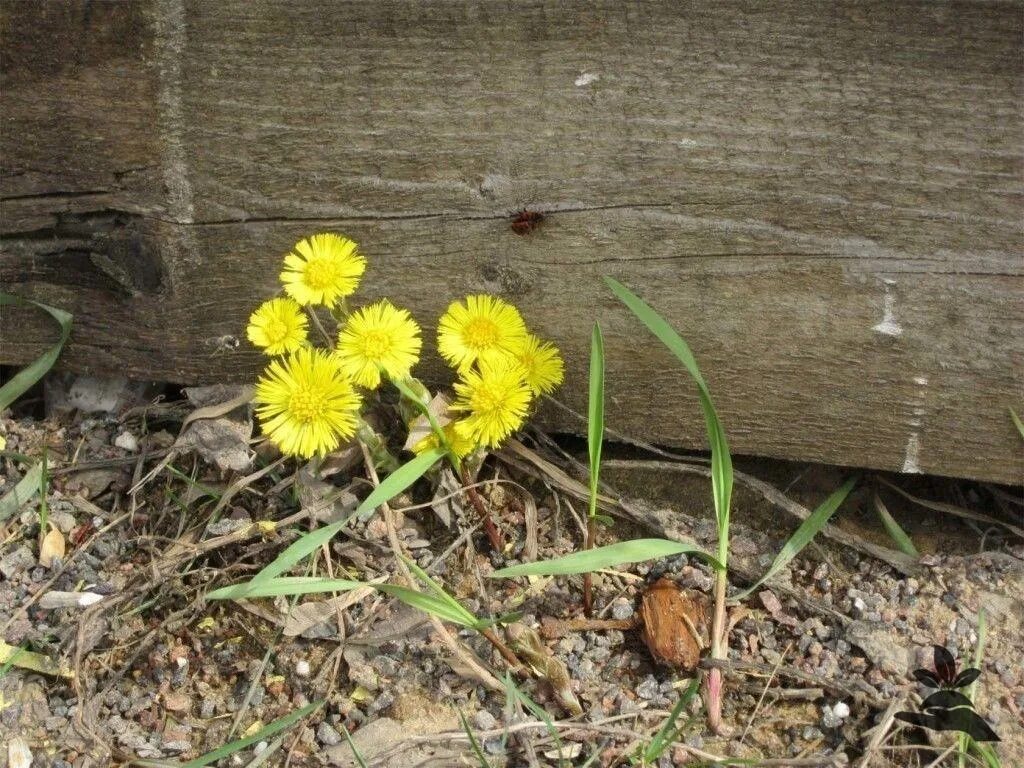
point(484, 328)
point(542, 364)
point(322, 269)
point(278, 326)
point(378, 338)
point(494, 399)
point(306, 404)
point(461, 444)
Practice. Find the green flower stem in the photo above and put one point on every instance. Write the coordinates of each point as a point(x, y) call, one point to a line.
point(319, 326)
point(406, 390)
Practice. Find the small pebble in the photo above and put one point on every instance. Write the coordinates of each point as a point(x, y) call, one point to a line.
point(326, 734)
point(484, 720)
point(648, 689)
point(622, 609)
point(127, 441)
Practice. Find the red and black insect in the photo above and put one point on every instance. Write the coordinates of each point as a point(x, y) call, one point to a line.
point(525, 221)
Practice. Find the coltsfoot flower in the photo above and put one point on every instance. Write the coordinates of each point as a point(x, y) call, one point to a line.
point(306, 404)
point(482, 328)
point(322, 269)
point(278, 326)
point(461, 445)
point(494, 398)
point(376, 338)
point(542, 365)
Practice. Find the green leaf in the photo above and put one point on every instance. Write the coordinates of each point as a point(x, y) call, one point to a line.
point(667, 734)
point(896, 533)
point(26, 488)
point(721, 460)
point(1016, 420)
point(802, 536)
point(473, 742)
point(589, 560)
point(469, 619)
point(513, 693)
point(285, 585)
point(391, 486)
point(263, 733)
point(352, 745)
point(436, 606)
point(595, 413)
point(20, 382)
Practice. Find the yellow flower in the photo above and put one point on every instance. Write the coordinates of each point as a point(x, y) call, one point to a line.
point(378, 338)
point(495, 399)
point(484, 328)
point(542, 364)
point(306, 404)
point(322, 269)
point(460, 444)
point(278, 326)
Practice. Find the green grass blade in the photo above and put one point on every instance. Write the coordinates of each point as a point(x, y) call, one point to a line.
point(721, 460)
point(352, 745)
point(667, 734)
point(538, 711)
point(285, 585)
point(896, 533)
point(391, 486)
point(440, 593)
point(399, 480)
point(595, 413)
point(23, 380)
point(1017, 422)
point(266, 731)
point(26, 489)
point(589, 560)
point(435, 606)
point(473, 741)
point(802, 536)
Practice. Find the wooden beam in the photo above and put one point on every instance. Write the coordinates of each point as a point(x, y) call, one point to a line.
point(824, 198)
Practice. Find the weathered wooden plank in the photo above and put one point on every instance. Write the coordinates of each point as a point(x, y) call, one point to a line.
point(825, 198)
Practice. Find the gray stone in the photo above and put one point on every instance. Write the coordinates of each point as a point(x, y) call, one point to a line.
point(484, 720)
point(622, 609)
point(327, 735)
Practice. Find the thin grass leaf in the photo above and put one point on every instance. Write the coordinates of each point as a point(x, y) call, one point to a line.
point(442, 608)
point(896, 533)
point(613, 555)
point(236, 746)
point(802, 536)
point(44, 483)
point(473, 742)
point(352, 745)
point(36, 662)
point(668, 733)
point(285, 585)
point(1017, 422)
point(426, 580)
point(14, 654)
point(25, 490)
point(595, 413)
point(538, 711)
point(24, 379)
point(721, 460)
point(390, 487)
point(440, 593)
point(435, 606)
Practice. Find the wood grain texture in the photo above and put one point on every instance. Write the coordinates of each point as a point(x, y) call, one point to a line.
point(824, 198)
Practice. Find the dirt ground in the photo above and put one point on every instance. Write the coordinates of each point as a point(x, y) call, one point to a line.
point(820, 659)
